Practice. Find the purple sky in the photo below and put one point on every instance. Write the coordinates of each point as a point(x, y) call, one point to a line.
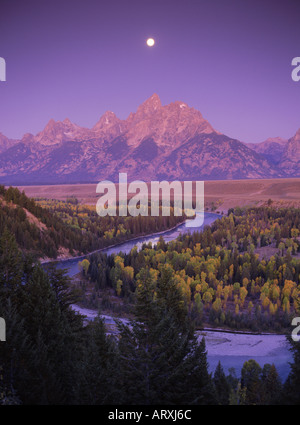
point(231, 59)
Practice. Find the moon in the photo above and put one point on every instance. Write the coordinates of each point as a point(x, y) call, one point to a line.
point(150, 42)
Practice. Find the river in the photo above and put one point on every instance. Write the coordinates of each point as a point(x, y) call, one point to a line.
point(188, 226)
point(230, 348)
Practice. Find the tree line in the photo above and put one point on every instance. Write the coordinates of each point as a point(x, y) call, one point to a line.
point(221, 277)
point(52, 357)
point(69, 225)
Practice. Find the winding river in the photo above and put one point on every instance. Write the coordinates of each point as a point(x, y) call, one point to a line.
point(232, 349)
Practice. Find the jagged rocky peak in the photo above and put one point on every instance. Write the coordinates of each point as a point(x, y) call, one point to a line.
point(297, 135)
point(57, 131)
point(146, 109)
point(107, 120)
point(66, 121)
point(151, 104)
point(54, 125)
point(2, 137)
point(51, 124)
point(28, 138)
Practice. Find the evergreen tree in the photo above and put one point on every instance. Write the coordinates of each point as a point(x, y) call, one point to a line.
point(251, 381)
point(291, 391)
point(15, 354)
point(271, 385)
point(11, 264)
point(170, 298)
point(221, 385)
point(65, 294)
point(55, 342)
point(161, 362)
point(98, 369)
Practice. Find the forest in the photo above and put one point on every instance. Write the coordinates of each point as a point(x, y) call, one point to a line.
point(219, 272)
point(43, 227)
point(52, 357)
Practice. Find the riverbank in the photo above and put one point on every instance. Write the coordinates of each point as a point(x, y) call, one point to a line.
point(145, 235)
point(92, 314)
point(230, 331)
point(232, 349)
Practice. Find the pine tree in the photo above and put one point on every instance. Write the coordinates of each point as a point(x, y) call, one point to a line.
point(161, 361)
point(97, 383)
point(291, 390)
point(15, 354)
point(144, 293)
point(271, 385)
point(169, 296)
point(65, 294)
point(221, 385)
point(55, 342)
point(251, 381)
point(11, 264)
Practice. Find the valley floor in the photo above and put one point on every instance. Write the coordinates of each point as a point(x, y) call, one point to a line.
point(222, 195)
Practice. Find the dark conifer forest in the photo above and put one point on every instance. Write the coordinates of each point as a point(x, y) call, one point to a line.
point(44, 228)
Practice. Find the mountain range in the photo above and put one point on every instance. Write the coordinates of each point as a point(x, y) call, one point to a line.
point(172, 142)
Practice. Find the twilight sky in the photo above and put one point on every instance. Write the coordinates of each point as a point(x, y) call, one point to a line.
point(231, 59)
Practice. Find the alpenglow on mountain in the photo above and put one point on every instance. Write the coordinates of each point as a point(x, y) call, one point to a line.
point(171, 142)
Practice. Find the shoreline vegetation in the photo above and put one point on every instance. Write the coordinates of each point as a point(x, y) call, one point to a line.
point(143, 235)
point(48, 229)
point(198, 329)
point(217, 309)
point(57, 260)
point(94, 313)
point(223, 280)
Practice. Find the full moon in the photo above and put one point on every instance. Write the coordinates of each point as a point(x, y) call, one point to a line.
point(150, 42)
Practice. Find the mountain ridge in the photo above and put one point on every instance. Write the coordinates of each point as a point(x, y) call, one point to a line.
point(171, 141)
